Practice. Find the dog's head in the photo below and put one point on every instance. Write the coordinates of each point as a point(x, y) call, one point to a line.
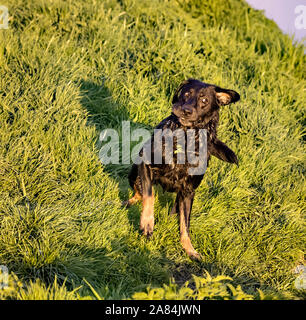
point(196, 101)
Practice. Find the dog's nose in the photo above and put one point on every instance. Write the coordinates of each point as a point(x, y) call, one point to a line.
point(187, 111)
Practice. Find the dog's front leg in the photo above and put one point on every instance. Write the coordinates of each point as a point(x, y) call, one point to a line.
point(223, 152)
point(147, 214)
point(185, 205)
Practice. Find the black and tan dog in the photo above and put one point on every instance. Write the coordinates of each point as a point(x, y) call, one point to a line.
point(195, 106)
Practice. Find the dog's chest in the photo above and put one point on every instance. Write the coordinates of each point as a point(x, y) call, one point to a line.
point(172, 177)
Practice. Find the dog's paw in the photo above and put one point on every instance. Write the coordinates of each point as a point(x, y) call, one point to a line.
point(233, 158)
point(147, 226)
point(149, 234)
point(194, 256)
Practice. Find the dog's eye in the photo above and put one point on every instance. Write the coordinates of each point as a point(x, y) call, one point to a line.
point(186, 94)
point(204, 100)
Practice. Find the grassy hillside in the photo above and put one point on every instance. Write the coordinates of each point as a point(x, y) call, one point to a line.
point(72, 68)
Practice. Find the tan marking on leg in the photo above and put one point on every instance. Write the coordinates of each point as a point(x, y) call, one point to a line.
point(147, 215)
point(185, 239)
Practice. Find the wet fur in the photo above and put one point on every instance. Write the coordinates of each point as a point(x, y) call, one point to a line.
point(188, 112)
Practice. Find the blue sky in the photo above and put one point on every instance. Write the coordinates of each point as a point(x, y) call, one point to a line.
point(283, 13)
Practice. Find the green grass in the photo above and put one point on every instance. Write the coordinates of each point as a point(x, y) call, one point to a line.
point(72, 68)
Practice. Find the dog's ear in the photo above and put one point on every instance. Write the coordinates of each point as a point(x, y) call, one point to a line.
point(226, 96)
point(223, 152)
point(178, 91)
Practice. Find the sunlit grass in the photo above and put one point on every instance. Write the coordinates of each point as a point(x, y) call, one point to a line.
point(72, 68)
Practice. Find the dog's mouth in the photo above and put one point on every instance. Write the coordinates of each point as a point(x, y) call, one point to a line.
point(184, 120)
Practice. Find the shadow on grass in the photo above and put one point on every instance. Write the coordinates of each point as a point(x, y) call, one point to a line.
point(115, 271)
point(103, 113)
